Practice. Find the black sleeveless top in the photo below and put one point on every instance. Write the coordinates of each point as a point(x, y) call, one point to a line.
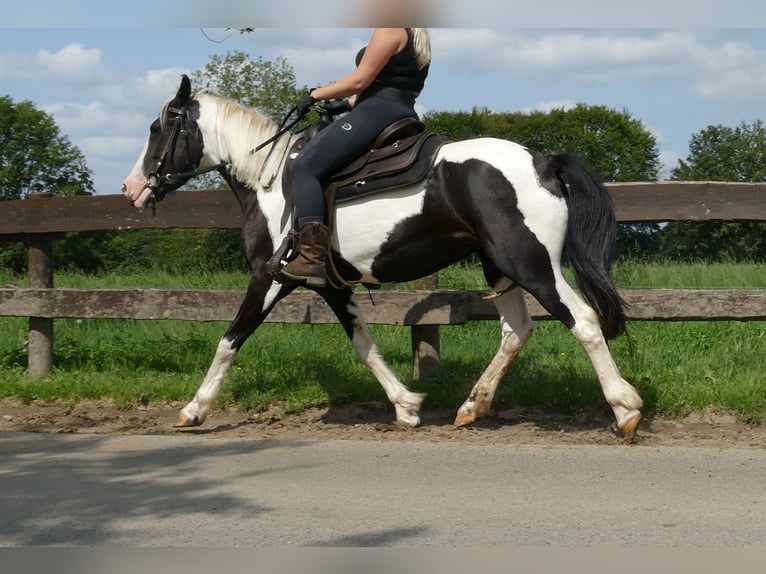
point(401, 71)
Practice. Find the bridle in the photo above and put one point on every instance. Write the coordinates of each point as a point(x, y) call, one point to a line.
point(193, 148)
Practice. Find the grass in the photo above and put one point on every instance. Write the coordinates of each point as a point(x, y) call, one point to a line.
point(677, 367)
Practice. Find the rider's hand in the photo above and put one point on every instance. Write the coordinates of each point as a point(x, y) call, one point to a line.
point(304, 105)
point(336, 107)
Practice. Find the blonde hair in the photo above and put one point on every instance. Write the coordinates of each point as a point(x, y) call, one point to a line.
point(422, 43)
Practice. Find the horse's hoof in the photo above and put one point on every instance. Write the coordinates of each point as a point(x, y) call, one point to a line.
point(186, 422)
point(629, 427)
point(464, 419)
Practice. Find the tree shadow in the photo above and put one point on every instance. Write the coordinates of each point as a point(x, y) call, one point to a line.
point(65, 491)
point(91, 491)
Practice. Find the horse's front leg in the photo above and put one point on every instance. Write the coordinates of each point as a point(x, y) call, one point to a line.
point(344, 304)
point(262, 294)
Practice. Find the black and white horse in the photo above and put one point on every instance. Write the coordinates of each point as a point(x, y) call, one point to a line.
point(519, 210)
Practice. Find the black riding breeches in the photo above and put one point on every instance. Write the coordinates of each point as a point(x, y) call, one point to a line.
point(339, 144)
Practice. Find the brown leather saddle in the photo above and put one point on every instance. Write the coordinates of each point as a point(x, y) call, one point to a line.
point(403, 154)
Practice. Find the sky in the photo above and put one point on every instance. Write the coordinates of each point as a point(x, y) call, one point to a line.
point(102, 69)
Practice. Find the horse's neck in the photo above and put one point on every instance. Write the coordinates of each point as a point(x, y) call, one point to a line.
point(231, 132)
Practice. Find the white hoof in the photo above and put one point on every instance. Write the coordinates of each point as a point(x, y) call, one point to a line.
point(408, 410)
point(188, 418)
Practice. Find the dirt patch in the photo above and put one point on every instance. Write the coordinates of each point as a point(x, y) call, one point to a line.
point(373, 421)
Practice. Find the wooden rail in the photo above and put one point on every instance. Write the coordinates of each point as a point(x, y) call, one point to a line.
point(41, 221)
point(403, 308)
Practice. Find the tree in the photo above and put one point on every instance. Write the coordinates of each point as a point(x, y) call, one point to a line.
point(262, 84)
point(266, 86)
point(720, 153)
point(36, 156)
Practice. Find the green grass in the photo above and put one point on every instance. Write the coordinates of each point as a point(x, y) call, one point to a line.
point(678, 367)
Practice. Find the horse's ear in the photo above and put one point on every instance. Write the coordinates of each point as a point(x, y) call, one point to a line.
point(184, 91)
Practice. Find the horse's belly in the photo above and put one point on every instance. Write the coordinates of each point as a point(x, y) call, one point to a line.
point(363, 225)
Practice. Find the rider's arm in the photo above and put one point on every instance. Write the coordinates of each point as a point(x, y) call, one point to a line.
point(384, 43)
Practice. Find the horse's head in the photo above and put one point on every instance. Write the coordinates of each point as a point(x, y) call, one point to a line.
point(172, 153)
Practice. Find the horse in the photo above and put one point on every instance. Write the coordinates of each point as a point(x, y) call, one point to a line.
point(520, 211)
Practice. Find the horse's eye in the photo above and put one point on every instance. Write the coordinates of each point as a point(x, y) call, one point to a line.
point(154, 128)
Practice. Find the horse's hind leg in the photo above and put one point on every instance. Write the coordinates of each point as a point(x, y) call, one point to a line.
point(517, 328)
point(566, 305)
point(621, 395)
point(344, 304)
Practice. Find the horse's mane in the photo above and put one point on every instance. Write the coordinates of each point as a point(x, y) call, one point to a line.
point(238, 129)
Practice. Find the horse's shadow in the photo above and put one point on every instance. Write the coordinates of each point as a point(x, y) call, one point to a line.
point(506, 419)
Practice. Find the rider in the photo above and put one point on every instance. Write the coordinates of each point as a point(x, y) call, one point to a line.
point(390, 73)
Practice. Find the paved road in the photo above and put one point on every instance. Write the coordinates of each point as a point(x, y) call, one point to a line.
point(183, 490)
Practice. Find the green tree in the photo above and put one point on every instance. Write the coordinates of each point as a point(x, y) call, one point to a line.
point(460, 125)
point(36, 156)
point(720, 153)
point(268, 86)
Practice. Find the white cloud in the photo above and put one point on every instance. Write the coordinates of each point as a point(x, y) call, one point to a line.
point(71, 64)
point(583, 56)
point(550, 105)
point(716, 71)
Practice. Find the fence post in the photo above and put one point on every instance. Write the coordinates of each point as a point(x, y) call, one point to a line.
point(426, 345)
point(40, 348)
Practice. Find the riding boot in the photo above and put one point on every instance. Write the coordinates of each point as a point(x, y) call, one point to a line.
point(309, 265)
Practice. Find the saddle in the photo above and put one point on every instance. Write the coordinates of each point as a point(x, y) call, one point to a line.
point(403, 154)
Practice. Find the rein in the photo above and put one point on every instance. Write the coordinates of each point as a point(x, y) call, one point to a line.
point(282, 130)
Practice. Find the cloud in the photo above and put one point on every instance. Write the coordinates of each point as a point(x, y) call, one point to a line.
point(593, 56)
point(71, 64)
point(549, 106)
point(715, 68)
point(581, 56)
point(115, 147)
point(735, 73)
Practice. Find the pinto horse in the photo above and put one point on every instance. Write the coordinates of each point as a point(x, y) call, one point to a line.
point(520, 211)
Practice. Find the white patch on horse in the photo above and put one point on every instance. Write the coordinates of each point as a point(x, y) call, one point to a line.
point(196, 411)
point(364, 224)
point(406, 403)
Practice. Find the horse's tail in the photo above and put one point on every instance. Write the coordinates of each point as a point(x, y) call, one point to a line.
point(590, 240)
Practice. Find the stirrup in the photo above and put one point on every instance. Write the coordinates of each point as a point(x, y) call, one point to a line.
point(283, 255)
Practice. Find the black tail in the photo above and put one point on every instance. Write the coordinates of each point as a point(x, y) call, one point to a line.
point(590, 240)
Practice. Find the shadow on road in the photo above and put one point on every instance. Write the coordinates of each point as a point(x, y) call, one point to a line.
point(54, 495)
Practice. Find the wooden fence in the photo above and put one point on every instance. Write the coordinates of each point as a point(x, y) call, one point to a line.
point(40, 220)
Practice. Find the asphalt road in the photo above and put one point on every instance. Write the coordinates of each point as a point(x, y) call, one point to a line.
point(183, 490)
